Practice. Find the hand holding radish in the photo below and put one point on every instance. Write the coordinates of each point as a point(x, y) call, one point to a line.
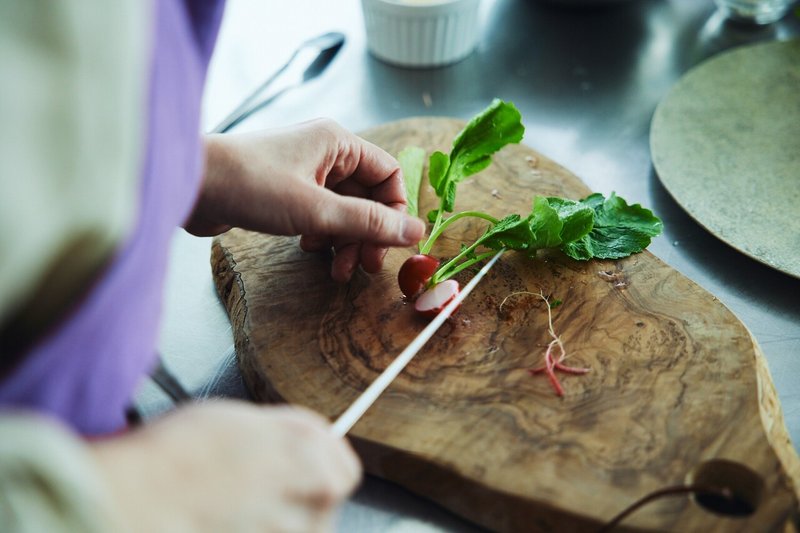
point(314, 179)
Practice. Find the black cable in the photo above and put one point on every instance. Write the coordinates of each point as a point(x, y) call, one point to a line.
point(723, 499)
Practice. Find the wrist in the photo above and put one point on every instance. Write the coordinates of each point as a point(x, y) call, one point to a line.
point(208, 216)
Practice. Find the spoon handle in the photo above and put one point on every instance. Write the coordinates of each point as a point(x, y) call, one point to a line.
point(324, 48)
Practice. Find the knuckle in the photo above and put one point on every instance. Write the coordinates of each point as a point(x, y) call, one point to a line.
point(397, 173)
point(322, 220)
point(377, 223)
point(326, 496)
point(332, 490)
point(327, 127)
point(315, 218)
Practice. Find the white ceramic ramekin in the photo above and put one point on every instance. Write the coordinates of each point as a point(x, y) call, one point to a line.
point(421, 33)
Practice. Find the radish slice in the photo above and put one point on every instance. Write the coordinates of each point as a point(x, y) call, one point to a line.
point(431, 302)
point(415, 273)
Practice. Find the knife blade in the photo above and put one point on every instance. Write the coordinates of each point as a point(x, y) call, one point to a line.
point(353, 414)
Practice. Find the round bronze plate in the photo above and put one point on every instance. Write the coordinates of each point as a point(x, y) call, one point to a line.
point(725, 143)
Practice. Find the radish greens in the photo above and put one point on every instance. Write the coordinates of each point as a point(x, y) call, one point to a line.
point(593, 227)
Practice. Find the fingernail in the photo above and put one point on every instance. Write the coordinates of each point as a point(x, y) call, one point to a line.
point(413, 229)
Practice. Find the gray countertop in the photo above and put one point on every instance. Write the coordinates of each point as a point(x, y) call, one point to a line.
point(586, 80)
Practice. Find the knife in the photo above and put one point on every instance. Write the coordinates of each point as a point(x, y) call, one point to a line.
point(357, 409)
point(353, 414)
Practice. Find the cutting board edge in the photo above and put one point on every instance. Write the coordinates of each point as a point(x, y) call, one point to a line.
point(770, 409)
point(774, 423)
point(232, 293)
point(373, 453)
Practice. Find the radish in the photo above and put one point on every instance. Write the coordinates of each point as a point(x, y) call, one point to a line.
point(431, 302)
point(415, 273)
point(594, 227)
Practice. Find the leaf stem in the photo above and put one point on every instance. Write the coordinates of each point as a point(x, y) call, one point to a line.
point(438, 275)
point(426, 248)
point(441, 224)
point(443, 275)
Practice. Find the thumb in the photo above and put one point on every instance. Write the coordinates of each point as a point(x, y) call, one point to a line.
point(365, 220)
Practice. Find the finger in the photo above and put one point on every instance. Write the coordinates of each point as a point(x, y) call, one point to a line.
point(390, 192)
point(372, 257)
point(345, 261)
point(318, 428)
point(363, 220)
point(315, 243)
point(363, 161)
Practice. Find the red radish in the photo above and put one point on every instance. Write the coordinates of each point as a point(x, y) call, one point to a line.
point(415, 273)
point(431, 302)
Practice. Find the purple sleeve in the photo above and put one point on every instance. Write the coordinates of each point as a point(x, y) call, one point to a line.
point(86, 370)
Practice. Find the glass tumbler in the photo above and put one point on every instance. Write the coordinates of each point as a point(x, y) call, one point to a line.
point(754, 11)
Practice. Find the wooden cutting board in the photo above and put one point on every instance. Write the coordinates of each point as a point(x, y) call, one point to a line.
point(678, 391)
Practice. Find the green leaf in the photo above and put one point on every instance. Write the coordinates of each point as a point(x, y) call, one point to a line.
point(615, 211)
point(411, 160)
point(449, 197)
point(431, 216)
point(470, 254)
point(545, 225)
point(473, 167)
point(619, 230)
point(512, 232)
point(489, 131)
point(594, 200)
point(576, 217)
point(437, 170)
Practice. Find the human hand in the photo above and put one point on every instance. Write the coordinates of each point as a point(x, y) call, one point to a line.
point(314, 179)
point(229, 466)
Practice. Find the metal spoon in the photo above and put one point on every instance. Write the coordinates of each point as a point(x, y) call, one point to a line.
point(307, 62)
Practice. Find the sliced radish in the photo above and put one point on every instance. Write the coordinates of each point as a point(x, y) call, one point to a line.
point(431, 302)
point(415, 273)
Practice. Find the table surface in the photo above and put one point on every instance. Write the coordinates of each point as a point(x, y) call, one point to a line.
point(587, 81)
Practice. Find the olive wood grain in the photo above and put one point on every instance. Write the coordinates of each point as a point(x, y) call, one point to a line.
point(676, 379)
